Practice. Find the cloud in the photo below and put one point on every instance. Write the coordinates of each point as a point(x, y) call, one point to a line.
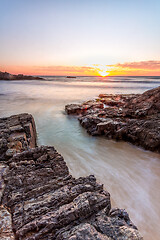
point(145, 65)
point(142, 68)
point(64, 69)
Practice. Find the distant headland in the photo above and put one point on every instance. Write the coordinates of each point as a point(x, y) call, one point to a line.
point(9, 76)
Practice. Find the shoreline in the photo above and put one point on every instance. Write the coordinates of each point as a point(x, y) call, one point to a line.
point(45, 201)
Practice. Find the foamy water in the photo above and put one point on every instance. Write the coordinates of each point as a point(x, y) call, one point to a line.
point(129, 173)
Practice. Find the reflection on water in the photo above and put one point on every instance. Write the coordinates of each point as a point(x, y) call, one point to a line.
point(129, 173)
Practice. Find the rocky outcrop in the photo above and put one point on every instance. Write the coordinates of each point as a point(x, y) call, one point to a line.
point(134, 117)
point(41, 200)
point(8, 76)
point(6, 232)
point(17, 133)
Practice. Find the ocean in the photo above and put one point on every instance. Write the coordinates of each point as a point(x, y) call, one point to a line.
point(129, 173)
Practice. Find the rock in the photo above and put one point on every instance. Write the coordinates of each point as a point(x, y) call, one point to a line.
point(116, 226)
point(17, 145)
point(41, 194)
point(90, 123)
point(6, 232)
point(81, 109)
point(146, 104)
point(130, 117)
point(83, 231)
point(8, 76)
point(75, 108)
point(10, 152)
point(48, 203)
point(17, 133)
point(109, 128)
point(103, 226)
point(41, 200)
point(3, 170)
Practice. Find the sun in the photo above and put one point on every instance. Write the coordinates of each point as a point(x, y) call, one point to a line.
point(101, 70)
point(103, 73)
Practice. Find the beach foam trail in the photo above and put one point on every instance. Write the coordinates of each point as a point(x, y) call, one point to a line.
point(129, 173)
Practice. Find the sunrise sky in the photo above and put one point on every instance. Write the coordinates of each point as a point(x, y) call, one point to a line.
point(80, 37)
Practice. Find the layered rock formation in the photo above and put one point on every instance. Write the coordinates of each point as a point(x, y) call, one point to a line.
point(134, 117)
point(41, 200)
point(17, 133)
point(8, 76)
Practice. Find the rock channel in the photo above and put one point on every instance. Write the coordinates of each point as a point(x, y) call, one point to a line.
point(41, 200)
point(129, 117)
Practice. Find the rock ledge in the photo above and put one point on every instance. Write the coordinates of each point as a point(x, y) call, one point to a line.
point(129, 117)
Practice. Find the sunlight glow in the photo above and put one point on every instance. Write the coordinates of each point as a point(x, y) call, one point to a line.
point(103, 70)
point(143, 68)
point(103, 73)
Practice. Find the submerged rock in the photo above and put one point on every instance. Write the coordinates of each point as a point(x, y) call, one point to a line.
point(130, 117)
point(41, 200)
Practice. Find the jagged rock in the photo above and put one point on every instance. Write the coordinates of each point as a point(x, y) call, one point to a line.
point(83, 231)
point(6, 232)
point(146, 104)
point(17, 133)
point(43, 197)
point(41, 200)
point(3, 170)
point(48, 203)
point(133, 117)
point(81, 109)
point(104, 225)
point(74, 109)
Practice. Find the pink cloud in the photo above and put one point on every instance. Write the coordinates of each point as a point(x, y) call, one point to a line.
point(146, 65)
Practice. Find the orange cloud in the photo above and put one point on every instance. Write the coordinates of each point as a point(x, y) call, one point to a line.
point(145, 68)
point(141, 65)
point(52, 70)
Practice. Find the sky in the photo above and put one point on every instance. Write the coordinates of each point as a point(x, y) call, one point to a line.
point(80, 37)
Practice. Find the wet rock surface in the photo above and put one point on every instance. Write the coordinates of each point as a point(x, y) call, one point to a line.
point(129, 117)
point(41, 200)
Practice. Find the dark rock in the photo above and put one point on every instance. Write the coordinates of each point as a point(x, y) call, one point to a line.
point(17, 133)
point(43, 197)
point(134, 118)
point(41, 200)
point(70, 77)
point(6, 232)
point(8, 76)
point(146, 104)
